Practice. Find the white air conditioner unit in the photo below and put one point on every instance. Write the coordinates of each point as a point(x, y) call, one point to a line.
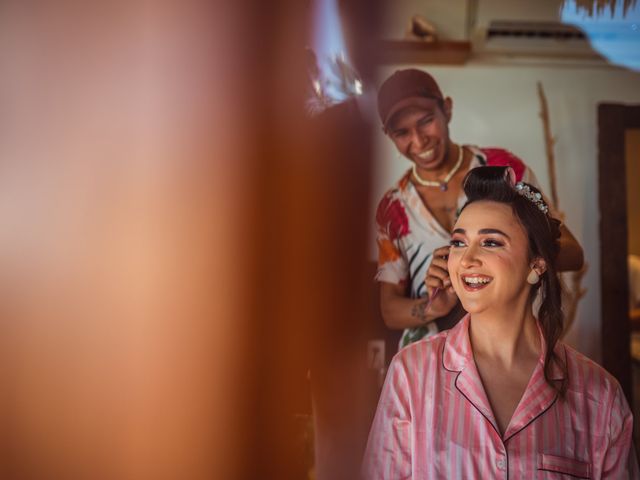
point(526, 38)
point(524, 28)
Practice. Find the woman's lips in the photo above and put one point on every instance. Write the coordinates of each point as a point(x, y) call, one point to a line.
point(475, 282)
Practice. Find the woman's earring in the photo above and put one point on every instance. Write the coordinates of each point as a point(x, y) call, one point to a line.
point(533, 277)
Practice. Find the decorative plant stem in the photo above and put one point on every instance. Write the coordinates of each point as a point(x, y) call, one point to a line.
point(574, 291)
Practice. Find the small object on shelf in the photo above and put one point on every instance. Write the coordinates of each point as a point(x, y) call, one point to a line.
point(420, 29)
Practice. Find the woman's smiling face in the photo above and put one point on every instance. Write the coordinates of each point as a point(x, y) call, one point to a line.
point(489, 257)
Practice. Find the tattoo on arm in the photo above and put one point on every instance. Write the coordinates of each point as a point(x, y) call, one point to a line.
point(419, 311)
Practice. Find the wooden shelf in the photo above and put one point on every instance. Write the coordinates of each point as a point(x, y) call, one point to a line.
point(409, 51)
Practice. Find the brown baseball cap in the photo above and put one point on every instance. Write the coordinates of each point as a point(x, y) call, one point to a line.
point(406, 88)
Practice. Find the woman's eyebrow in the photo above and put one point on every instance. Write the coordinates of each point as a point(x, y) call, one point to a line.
point(492, 231)
point(459, 230)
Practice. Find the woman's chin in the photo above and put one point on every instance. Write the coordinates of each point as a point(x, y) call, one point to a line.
point(473, 307)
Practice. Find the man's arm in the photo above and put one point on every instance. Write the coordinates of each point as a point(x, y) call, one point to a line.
point(400, 312)
point(571, 256)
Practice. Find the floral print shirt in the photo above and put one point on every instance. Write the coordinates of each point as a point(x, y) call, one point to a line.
point(407, 232)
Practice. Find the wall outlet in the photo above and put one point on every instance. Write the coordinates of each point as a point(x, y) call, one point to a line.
point(375, 354)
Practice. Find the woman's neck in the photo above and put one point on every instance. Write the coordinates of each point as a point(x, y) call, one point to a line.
point(505, 337)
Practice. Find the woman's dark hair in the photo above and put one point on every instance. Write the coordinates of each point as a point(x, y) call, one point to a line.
point(543, 231)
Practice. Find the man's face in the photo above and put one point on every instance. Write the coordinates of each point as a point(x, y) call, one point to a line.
point(421, 133)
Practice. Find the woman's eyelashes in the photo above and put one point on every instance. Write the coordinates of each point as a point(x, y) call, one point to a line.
point(490, 242)
point(485, 242)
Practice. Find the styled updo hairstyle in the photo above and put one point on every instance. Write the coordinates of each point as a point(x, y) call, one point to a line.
point(496, 184)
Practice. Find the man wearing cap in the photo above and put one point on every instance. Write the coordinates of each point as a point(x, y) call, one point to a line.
point(414, 218)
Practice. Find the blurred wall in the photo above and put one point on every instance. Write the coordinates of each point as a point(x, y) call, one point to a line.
point(122, 221)
point(179, 245)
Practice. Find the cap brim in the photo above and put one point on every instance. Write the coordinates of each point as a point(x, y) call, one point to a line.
point(423, 102)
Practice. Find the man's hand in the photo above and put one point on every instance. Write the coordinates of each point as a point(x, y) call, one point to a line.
point(437, 275)
point(437, 281)
point(398, 311)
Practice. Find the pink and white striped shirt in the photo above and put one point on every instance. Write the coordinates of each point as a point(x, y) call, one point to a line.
point(434, 420)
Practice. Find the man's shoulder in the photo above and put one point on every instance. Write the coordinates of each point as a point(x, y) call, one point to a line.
point(399, 186)
point(392, 197)
point(391, 194)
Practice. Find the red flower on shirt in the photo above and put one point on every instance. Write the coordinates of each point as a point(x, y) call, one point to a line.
point(498, 157)
point(392, 218)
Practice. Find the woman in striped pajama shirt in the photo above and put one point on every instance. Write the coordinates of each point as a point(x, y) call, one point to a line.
point(499, 395)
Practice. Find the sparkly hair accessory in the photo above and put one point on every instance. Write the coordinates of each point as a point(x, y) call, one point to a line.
point(534, 197)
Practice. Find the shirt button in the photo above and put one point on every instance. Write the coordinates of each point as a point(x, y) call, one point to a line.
point(500, 464)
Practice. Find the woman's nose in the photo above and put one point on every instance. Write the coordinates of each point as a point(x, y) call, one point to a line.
point(470, 257)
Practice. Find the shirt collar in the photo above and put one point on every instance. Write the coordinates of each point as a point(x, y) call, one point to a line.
point(457, 351)
point(538, 396)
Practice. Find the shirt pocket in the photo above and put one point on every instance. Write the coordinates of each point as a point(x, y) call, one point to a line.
point(564, 466)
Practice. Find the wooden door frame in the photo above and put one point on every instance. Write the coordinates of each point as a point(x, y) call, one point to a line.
point(613, 120)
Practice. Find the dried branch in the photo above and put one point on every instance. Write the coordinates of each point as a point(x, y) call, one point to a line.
point(574, 291)
point(549, 144)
